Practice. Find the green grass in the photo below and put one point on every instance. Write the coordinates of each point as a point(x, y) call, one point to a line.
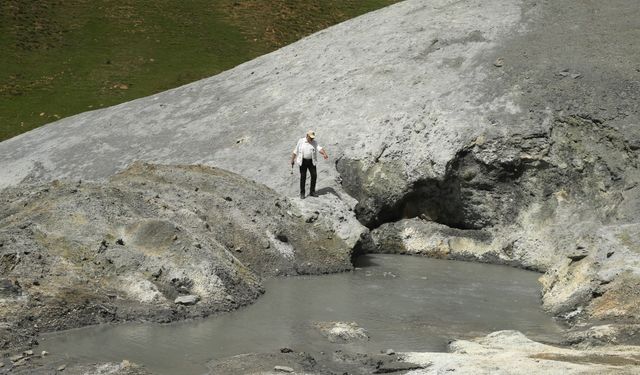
point(62, 57)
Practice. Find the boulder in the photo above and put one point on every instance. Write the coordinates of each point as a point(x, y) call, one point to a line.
point(342, 332)
point(187, 300)
point(284, 369)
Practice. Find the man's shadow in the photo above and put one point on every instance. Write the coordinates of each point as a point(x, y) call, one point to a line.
point(328, 190)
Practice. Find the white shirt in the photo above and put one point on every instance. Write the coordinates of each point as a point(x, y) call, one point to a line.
point(306, 150)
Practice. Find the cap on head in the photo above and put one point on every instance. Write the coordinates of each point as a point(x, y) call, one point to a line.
point(311, 134)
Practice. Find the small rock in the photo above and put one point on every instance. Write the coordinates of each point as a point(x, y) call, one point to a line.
point(103, 246)
point(61, 367)
point(9, 288)
point(578, 164)
point(157, 273)
point(499, 62)
point(312, 217)
point(390, 352)
point(282, 237)
point(393, 367)
point(426, 217)
point(120, 242)
point(1, 364)
point(577, 257)
point(44, 353)
point(16, 358)
point(283, 369)
point(286, 350)
point(187, 300)
point(266, 244)
point(28, 353)
point(579, 253)
point(21, 362)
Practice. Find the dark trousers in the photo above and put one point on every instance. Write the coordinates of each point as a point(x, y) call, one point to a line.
point(308, 164)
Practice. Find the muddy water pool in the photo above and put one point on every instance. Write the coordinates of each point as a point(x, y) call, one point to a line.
point(405, 303)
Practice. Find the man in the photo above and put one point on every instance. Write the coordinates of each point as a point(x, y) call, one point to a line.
point(306, 156)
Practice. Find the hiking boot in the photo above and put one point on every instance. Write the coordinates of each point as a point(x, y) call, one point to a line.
point(313, 194)
point(301, 195)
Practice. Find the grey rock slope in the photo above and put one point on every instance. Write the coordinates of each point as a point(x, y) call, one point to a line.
point(419, 69)
point(515, 119)
point(154, 242)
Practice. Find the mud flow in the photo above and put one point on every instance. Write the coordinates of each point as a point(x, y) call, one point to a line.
point(405, 303)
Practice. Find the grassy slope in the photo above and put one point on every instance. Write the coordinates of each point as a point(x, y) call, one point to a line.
point(62, 57)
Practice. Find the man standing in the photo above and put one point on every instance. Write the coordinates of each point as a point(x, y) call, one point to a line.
point(306, 156)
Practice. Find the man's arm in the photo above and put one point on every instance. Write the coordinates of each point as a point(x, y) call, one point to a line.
point(294, 153)
point(323, 153)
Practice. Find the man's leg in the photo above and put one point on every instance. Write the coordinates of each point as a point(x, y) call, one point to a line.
point(314, 175)
point(303, 178)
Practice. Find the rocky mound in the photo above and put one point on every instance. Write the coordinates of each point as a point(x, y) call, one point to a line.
point(154, 242)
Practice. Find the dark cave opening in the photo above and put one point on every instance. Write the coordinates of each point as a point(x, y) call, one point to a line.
point(471, 195)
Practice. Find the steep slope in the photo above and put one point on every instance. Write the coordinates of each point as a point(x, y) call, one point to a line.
point(357, 84)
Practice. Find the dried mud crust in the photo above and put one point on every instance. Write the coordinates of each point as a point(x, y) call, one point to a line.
point(288, 360)
point(122, 368)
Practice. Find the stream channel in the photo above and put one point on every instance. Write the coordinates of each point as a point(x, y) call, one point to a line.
point(406, 303)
